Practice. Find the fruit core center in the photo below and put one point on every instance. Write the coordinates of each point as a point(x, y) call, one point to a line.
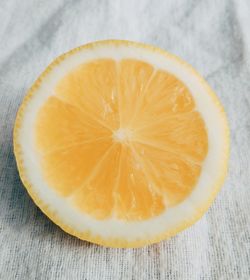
point(122, 135)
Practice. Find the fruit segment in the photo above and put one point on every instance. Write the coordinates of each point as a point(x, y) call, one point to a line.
point(133, 80)
point(92, 87)
point(69, 144)
point(135, 197)
point(96, 195)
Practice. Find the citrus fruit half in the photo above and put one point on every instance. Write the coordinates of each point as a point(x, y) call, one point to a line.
point(121, 144)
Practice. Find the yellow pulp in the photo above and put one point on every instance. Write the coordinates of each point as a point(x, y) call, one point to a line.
point(121, 139)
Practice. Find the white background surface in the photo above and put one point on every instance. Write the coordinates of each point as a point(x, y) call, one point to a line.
point(211, 35)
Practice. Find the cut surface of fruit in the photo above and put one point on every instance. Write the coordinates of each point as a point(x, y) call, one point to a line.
point(121, 144)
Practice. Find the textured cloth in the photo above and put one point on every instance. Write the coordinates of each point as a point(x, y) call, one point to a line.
point(211, 35)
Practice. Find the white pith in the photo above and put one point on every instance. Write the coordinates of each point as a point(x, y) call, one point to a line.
point(112, 228)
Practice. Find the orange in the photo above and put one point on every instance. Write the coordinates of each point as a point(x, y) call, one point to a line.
point(121, 144)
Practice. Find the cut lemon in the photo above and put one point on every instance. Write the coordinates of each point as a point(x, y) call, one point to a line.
point(121, 144)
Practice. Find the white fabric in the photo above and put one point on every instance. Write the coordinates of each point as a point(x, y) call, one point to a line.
point(211, 35)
